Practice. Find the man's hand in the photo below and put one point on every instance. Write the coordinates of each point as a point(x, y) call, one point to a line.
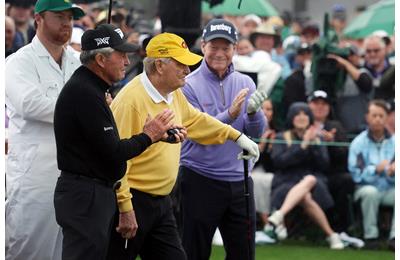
point(381, 166)
point(255, 101)
point(328, 136)
point(127, 225)
point(251, 147)
point(391, 169)
point(157, 127)
point(180, 135)
point(109, 98)
point(237, 103)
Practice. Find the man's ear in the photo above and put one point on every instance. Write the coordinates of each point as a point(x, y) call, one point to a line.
point(100, 60)
point(38, 17)
point(203, 46)
point(158, 64)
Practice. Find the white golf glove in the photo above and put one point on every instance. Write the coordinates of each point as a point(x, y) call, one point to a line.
point(255, 101)
point(251, 147)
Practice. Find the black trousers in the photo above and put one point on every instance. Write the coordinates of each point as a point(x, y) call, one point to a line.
point(157, 236)
point(208, 204)
point(341, 186)
point(85, 210)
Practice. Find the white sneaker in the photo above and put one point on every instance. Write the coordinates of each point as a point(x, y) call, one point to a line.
point(281, 232)
point(335, 242)
point(263, 238)
point(217, 239)
point(276, 218)
point(351, 241)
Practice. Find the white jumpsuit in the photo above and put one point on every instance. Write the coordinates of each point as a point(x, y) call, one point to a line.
point(33, 82)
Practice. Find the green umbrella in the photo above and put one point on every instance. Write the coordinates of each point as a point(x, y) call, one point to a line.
point(230, 7)
point(379, 16)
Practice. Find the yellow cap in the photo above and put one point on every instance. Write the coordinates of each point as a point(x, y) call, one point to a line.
point(169, 45)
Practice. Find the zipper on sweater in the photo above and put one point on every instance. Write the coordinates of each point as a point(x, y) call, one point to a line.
point(221, 88)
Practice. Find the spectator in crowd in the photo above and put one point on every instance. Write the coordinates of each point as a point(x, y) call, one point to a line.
point(143, 198)
point(300, 173)
point(249, 24)
point(297, 86)
point(21, 12)
point(338, 19)
point(372, 165)
point(212, 174)
point(244, 47)
point(263, 173)
point(352, 100)
point(340, 182)
point(309, 33)
point(248, 61)
point(35, 75)
point(84, 197)
point(9, 35)
point(267, 38)
point(377, 65)
point(390, 124)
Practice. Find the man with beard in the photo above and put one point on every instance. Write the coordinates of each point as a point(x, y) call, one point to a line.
point(35, 75)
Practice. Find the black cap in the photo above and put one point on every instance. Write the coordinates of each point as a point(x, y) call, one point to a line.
point(318, 94)
point(220, 28)
point(303, 48)
point(106, 35)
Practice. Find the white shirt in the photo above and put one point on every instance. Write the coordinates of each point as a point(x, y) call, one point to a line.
point(33, 82)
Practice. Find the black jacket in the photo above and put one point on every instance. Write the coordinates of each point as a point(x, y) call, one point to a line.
point(86, 134)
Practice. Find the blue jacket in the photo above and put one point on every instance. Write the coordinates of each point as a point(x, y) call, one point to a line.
point(365, 154)
point(210, 94)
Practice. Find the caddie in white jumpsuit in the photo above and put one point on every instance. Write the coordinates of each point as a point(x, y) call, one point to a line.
point(35, 75)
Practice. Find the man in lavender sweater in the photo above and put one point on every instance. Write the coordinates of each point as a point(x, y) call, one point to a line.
point(211, 176)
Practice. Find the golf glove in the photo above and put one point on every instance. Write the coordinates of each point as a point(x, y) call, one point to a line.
point(251, 147)
point(255, 101)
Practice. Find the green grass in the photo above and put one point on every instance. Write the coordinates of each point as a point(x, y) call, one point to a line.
point(308, 252)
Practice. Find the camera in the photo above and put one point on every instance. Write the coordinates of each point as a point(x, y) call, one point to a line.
point(171, 134)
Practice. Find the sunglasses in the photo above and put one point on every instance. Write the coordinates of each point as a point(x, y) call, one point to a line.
point(372, 50)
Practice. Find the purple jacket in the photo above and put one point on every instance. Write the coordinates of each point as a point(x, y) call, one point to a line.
point(205, 91)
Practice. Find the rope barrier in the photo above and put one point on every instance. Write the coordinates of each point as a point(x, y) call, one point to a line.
point(278, 141)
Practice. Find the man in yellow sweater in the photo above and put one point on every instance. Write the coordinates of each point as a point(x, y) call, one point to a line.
point(146, 225)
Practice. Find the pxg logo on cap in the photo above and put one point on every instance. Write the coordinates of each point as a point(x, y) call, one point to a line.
point(106, 35)
point(220, 28)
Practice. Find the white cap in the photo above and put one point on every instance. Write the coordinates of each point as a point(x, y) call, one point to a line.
point(252, 17)
point(380, 33)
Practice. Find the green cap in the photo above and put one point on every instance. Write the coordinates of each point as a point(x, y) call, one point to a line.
point(59, 5)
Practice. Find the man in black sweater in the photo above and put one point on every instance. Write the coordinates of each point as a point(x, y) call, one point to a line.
point(90, 154)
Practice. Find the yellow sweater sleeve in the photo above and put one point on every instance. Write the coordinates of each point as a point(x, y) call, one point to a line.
point(203, 128)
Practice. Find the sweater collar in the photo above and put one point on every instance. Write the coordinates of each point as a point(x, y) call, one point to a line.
point(212, 75)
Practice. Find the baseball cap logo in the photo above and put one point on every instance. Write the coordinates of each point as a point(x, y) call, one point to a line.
point(67, 1)
point(101, 41)
point(121, 34)
point(220, 27)
point(163, 51)
point(183, 44)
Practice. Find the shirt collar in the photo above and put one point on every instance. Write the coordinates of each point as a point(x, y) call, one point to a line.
point(153, 92)
point(387, 135)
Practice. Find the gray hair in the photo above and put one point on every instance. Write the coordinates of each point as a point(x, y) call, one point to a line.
point(87, 57)
point(372, 38)
point(149, 64)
